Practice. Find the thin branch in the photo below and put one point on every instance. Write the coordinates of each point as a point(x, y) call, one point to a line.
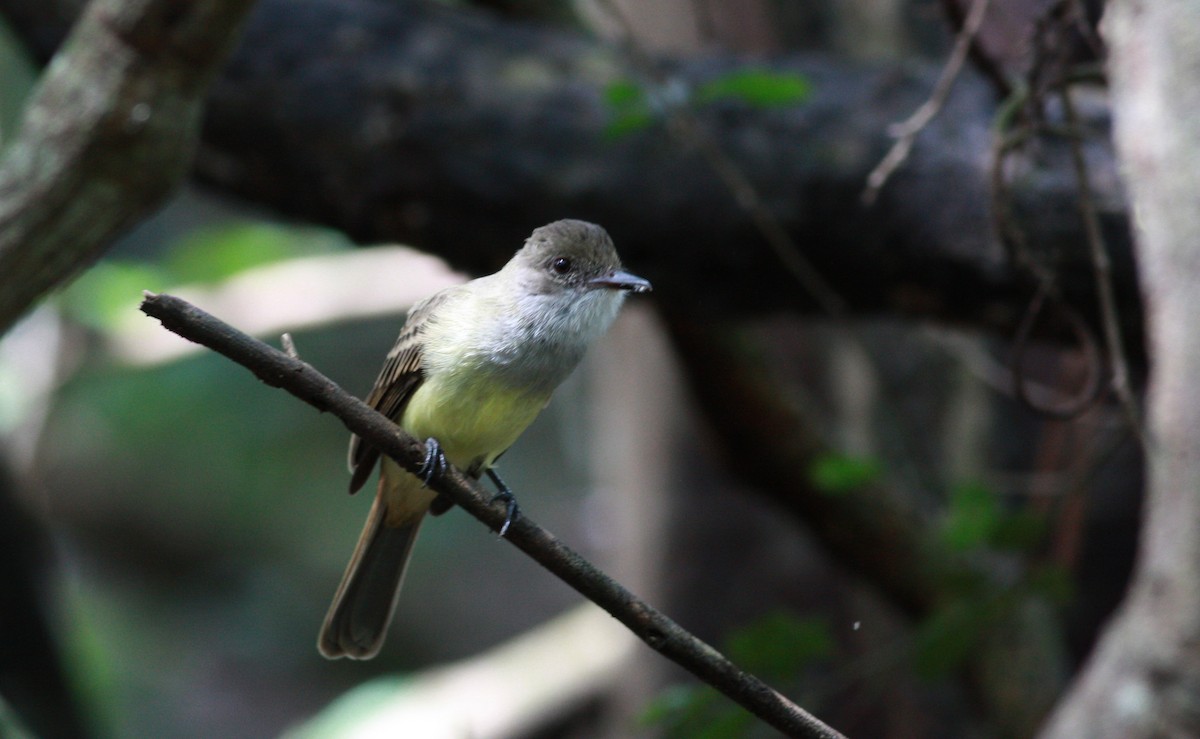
point(1102, 273)
point(989, 65)
point(1093, 387)
point(661, 633)
point(289, 346)
point(906, 132)
point(776, 236)
point(999, 376)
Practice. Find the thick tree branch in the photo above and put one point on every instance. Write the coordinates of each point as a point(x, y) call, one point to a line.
point(110, 131)
point(661, 633)
point(455, 131)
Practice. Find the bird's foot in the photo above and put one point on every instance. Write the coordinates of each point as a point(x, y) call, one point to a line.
point(513, 511)
point(435, 462)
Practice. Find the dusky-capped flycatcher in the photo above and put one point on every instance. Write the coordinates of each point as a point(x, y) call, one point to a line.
point(473, 366)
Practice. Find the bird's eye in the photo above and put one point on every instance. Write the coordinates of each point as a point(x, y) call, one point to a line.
point(560, 265)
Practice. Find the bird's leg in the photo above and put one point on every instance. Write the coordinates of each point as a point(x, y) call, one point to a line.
point(435, 461)
point(509, 499)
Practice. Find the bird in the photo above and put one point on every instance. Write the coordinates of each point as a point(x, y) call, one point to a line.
point(472, 367)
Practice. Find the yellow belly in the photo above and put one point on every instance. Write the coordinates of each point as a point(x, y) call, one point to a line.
point(474, 420)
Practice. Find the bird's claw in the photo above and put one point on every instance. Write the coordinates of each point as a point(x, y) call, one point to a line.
point(513, 512)
point(435, 462)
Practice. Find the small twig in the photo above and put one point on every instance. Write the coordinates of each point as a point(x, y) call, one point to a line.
point(1102, 272)
point(999, 377)
point(1093, 387)
point(1085, 29)
point(989, 65)
point(289, 346)
point(776, 236)
point(1004, 144)
point(661, 633)
point(906, 132)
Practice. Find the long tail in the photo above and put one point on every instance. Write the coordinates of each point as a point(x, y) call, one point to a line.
point(366, 598)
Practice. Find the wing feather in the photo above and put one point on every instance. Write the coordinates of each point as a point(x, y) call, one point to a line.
point(398, 380)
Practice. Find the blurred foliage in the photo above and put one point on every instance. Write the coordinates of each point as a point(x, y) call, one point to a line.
point(214, 254)
point(975, 518)
point(208, 519)
point(629, 108)
point(777, 648)
point(779, 644)
point(103, 296)
point(634, 107)
point(760, 88)
point(945, 639)
point(977, 525)
point(18, 74)
point(10, 724)
point(948, 637)
point(197, 503)
point(95, 627)
point(837, 474)
point(201, 528)
point(971, 518)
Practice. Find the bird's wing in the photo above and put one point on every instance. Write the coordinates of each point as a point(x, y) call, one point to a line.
point(398, 380)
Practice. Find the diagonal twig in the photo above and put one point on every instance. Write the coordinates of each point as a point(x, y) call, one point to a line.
point(907, 130)
point(1102, 275)
point(658, 631)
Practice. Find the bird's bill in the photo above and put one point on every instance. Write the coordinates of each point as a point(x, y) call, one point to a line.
point(622, 280)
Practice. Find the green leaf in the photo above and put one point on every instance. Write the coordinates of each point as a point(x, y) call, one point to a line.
point(946, 638)
point(758, 87)
point(696, 712)
point(1052, 582)
point(973, 517)
point(681, 708)
point(780, 644)
point(629, 108)
point(730, 723)
point(835, 474)
point(776, 648)
point(1021, 531)
point(623, 94)
point(626, 124)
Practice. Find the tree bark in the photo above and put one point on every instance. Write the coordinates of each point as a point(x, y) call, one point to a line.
point(109, 132)
point(1144, 678)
